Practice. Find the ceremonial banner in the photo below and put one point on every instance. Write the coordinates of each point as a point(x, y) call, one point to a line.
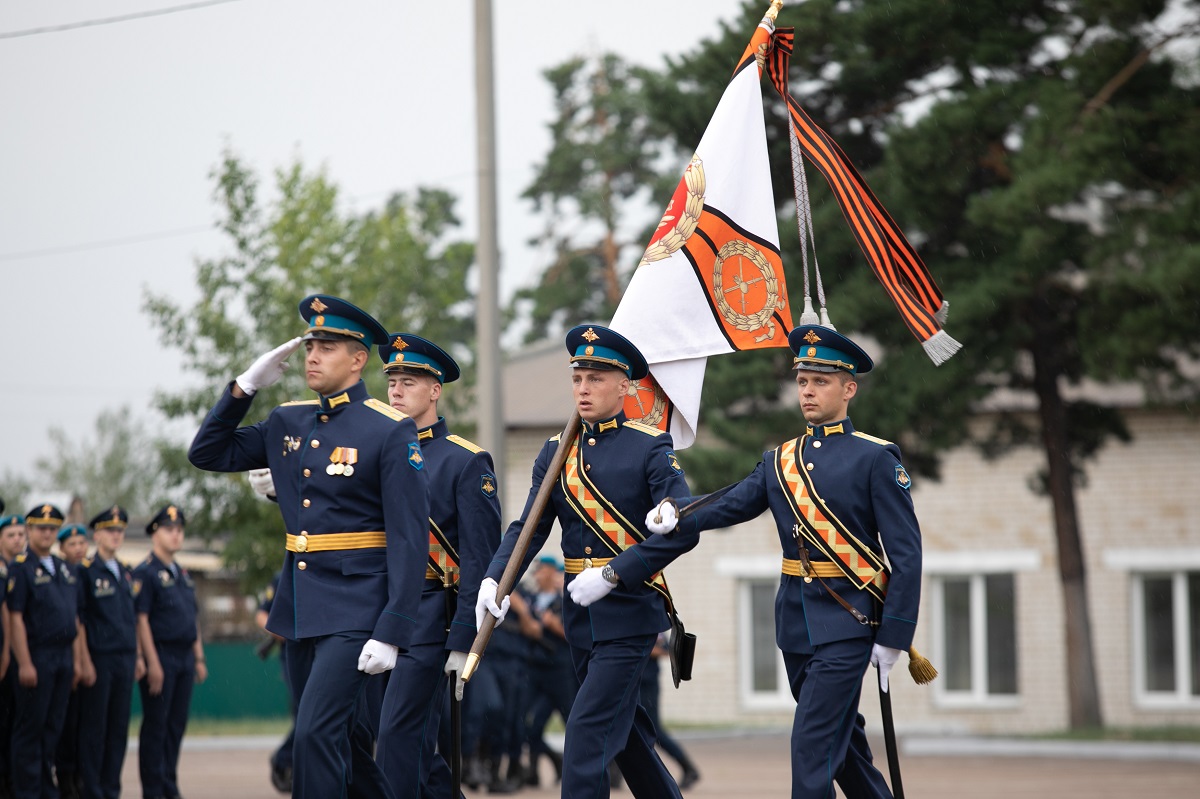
point(711, 280)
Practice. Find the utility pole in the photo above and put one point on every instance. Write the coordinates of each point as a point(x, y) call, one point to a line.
point(489, 400)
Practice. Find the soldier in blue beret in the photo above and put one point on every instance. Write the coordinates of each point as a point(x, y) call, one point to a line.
point(853, 486)
point(614, 469)
point(168, 636)
point(110, 632)
point(463, 531)
point(43, 601)
point(351, 483)
point(72, 547)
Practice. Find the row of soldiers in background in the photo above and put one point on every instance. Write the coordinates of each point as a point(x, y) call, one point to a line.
point(78, 632)
point(399, 593)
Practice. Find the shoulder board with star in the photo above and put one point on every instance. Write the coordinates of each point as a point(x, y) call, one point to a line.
point(645, 428)
point(300, 402)
point(385, 409)
point(880, 441)
point(20, 558)
point(467, 445)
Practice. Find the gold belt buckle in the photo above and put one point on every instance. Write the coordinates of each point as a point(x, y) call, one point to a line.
point(301, 543)
point(587, 563)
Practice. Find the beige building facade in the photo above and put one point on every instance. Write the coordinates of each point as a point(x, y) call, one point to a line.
point(992, 617)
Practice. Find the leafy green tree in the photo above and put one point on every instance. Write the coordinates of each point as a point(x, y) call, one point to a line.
point(397, 262)
point(601, 158)
point(1041, 158)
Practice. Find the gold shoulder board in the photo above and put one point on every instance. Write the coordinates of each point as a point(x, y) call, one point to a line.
point(300, 402)
point(385, 409)
point(87, 563)
point(645, 428)
point(881, 442)
point(556, 437)
point(20, 558)
point(467, 445)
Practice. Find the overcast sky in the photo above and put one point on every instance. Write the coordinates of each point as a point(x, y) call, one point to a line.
point(110, 132)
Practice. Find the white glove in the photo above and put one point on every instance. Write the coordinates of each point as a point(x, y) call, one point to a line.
point(486, 603)
point(663, 518)
point(377, 657)
point(590, 586)
point(267, 370)
point(261, 482)
point(883, 658)
point(454, 666)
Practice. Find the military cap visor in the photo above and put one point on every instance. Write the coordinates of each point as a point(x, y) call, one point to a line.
point(45, 516)
point(597, 347)
point(823, 349)
point(405, 352)
point(334, 319)
point(113, 517)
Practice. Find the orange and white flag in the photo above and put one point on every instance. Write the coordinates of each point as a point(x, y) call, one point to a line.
point(711, 280)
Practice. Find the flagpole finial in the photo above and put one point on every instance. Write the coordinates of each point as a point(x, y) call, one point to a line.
point(773, 11)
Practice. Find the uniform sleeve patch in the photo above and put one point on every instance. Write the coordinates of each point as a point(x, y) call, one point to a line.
point(487, 484)
point(674, 461)
point(415, 458)
point(902, 478)
point(137, 587)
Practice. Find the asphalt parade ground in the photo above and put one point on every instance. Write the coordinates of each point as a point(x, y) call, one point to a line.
point(741, 765)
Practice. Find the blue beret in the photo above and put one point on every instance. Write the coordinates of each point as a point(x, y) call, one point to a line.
point(596, 347)
point(823, 349)
point(332, 318)
point(11, 519)
point(405, 352)
point(69, 530)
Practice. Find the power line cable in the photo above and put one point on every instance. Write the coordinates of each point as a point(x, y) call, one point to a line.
point(105, 243)
point(88, 23)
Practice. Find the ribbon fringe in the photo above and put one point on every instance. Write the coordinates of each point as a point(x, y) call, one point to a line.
point(940, 347)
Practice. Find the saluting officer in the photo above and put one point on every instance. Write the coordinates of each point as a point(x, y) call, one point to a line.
point(614, 465)
point(350, 479)
point(72, 547)
point(44, 603)
point(464, 529)
point(838, 609)
point(110, 629)
point(168, 635)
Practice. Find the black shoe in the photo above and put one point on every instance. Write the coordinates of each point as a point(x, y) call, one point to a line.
point(690, 777)
point(281, 778)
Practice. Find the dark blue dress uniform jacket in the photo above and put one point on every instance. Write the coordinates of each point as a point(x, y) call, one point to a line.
point(108, 607)
point(464, 502)
point(634, 467)
point(169, 601)
point(371, 591)
point(863, 483)
point(49, 603)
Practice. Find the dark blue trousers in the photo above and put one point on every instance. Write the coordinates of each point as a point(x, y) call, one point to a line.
point(326, 765)
point(829, 742)
point(164, 720)
point(408, 728)
point(38, 717)
point(607, 723)
point(104, 724)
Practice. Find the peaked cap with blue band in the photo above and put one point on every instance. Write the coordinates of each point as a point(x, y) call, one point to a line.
point(113, 517)
point(334, 319)
point(822, 349)
point(169, 515)
point(69, 530)
point(405, 352)
point(596, 347)
point(45, 516)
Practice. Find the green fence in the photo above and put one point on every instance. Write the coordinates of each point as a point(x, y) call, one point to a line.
point(239, 685)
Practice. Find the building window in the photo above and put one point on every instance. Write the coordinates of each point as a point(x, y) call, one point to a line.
point(976, 637)
point(1166, 612)
point(762, 678)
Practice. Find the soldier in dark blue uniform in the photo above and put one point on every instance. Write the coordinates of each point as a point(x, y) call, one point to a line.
point(351, 482)
point(44, 604)
point(857, 488)
point(72, 548)
point(12, 533)
point(168, 635)
point(110, 628)
point(281, 758)
point(463, 531)
point(614, 464)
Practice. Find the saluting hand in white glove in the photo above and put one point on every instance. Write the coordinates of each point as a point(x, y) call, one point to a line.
point(269, 367)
